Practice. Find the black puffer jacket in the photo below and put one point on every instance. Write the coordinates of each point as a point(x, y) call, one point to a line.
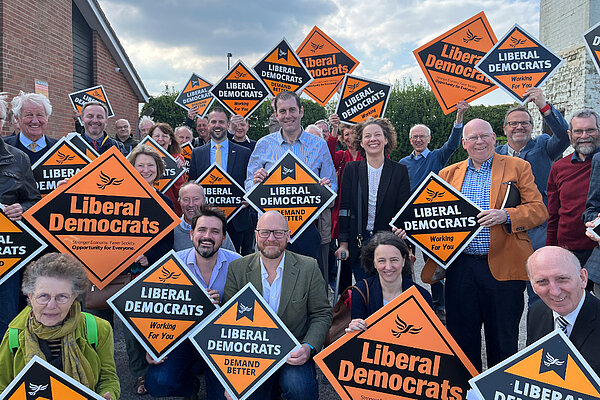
point(17, 184)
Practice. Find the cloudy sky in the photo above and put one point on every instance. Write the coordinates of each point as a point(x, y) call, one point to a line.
point(167, 40)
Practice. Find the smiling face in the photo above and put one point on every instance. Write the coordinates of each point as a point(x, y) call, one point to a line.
point(207, 236)
point(145, 128)
point(271, 247)
point(557, 279)
point(289, 116)
point(94, 121)
point(202, 129)
point(388, 262)
point(217, 123)
point(373, 140)
point(518, 135)
point(479, 140)
point(146, 166)
point(50, 289)
point(183, 135)
point(123, 129)
point(33, 120)
point(191, 198)
point(419, 139)
point(161, 138)
point(584, 135)
point(349, 137)
point(240, 129)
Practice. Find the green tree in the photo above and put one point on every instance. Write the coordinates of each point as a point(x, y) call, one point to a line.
point(165, 109)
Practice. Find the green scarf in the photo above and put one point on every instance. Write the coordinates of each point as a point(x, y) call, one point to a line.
point(74, 363)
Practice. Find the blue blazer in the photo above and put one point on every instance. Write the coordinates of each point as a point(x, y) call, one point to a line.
point(15, 141)
point(237, 164)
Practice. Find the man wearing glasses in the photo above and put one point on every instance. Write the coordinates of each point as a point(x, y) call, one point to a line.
point(485, 284)
point(294, 288)
point(540, 151)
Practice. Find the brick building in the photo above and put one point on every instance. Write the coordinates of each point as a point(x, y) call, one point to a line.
point(70, 45)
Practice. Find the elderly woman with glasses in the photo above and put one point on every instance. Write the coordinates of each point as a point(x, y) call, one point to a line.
point(53, 327)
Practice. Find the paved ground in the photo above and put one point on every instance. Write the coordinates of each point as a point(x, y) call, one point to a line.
point(325, 389)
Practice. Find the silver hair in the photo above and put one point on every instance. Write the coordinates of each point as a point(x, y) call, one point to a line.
point(36, 98)
point(145, 118)
point(419, 126)
point(585, 113)
point(3, 105)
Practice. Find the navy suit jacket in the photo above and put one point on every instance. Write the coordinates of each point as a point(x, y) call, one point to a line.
point(585, 335)
point(237, 164)
point(15, 141)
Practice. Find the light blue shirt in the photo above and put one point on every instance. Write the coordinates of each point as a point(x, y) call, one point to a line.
point(25, 141)
point(312, 150)
point(476, 187)
point(224, 152)
point(272, 292)
point(219, 272)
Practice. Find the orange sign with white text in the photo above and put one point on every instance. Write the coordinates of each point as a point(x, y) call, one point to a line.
point(406, 353)
point(106, 216)
point(448, 62)
point(327, 62)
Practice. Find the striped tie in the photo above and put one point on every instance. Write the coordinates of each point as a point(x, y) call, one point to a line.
point(562, 323)
point(33, 146)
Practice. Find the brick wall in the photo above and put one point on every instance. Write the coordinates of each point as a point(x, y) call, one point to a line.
point(122, 99)
point(36, 43)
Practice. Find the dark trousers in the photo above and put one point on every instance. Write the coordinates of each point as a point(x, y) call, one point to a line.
point(9, 300)
point(297, 382)
point(308, 243)
point(176, 376)
point(474, 297)
point(243, 241)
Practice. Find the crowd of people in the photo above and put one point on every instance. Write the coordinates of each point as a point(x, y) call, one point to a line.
point(539, 242)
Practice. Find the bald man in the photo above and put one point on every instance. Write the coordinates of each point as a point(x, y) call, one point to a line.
point(557, 277)
point(485, 284)
point(294, 288)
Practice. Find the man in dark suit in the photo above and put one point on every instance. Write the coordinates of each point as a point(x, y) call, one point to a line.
point(294, 288)
point(31, 111)
point(557, 277)
point(234, 159)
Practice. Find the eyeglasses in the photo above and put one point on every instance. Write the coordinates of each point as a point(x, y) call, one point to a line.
point(514, 124)
point(589, 132)
point(484, 136)
point(45, 298)
point(277, 233)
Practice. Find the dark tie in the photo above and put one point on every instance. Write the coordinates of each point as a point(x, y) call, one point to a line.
point(562, 324)
point(95, 144)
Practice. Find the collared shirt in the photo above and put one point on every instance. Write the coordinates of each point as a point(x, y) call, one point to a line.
point(272, 292)
point(219, 272)
point(25, 141)
point(185, 225)
point(512, 152)
point(476, 187)
point(312, 150)
point(423, 154)
point(224, 152)
point(571, 317)
point(100, 141)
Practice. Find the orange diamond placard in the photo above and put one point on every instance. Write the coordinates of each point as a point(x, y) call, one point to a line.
point(361, 99)
point(327, 62)
point(106, 216)
point(18, 245)
point(240, 91)
point(62, 161)
point(244, 342)
point(161, 322)
point(448, 62)
point(282, 70)
point(221, 190)
point(438, 219)
point(293, 189)
point(519, 62)
point(405, 343)
point(196, 95)
point(96, 93)
point(39, 380)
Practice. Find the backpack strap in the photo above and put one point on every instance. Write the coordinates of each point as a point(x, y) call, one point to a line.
point(91, 328)
point(13, 339)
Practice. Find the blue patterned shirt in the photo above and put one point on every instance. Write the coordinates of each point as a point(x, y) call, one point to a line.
point(312, 150)
point(476, 187)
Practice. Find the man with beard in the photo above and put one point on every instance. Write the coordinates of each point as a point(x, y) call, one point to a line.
point(294, 288)
point(568, 183)
point(94, 114)
point(175, 375)
point(191, 199)
point(232, 158)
